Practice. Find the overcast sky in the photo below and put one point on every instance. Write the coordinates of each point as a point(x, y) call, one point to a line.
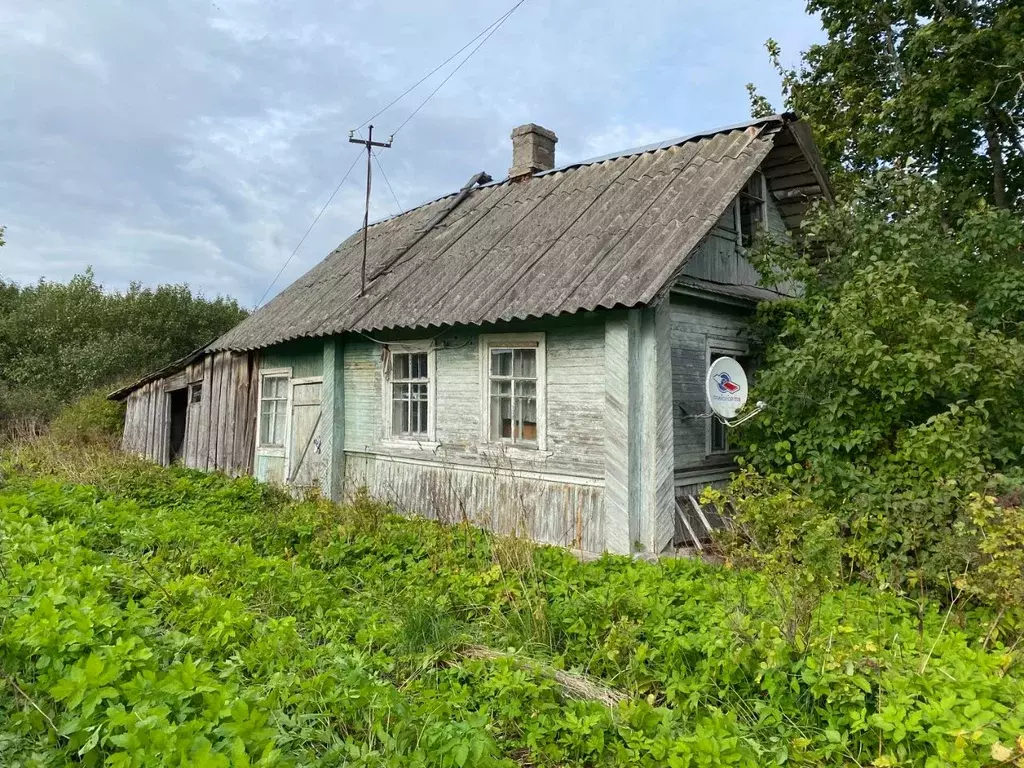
point(194, 141)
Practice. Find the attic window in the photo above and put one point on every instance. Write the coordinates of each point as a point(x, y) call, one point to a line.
point(751, 209)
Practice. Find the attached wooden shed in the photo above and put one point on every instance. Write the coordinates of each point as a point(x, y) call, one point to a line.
point(199, 411)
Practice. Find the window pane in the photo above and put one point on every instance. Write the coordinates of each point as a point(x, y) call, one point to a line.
point(399, 416)
point(501, 417)
point(719, 438)
point(400, 366)
point(418, 424)
point(750, 219)
point(418, 366)
point(279, 421)
point(754, 186)
point(526, 388)
point(273, 387)
point(501, 362)
point(525, 363)
point(526, 418)
point(410, 400)
point(501, 387)
point(399, 409)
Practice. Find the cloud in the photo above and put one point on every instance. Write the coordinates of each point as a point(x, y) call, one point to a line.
point(194, 141)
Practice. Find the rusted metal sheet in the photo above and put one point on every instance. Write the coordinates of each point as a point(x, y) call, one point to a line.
point(611, 233)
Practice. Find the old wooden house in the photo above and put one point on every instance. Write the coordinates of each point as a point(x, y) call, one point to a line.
point(526, 354)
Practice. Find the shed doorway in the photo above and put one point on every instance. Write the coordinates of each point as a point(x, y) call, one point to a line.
point(178, 407)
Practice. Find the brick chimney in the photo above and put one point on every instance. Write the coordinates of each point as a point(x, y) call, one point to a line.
point(533, 149)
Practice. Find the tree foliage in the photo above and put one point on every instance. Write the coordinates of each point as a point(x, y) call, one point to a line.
point(935, 86)
point(59, 341)
point(896, 382)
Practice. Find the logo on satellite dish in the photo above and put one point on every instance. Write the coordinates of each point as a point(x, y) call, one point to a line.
point(726, 385)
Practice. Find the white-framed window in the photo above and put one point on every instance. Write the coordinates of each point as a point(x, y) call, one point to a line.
point(408, 396)
point(751, 210)
point(274, 391)
point(717, 437)
point(514, 389)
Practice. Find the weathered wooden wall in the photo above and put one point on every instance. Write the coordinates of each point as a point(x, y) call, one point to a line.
point(303, 359)
point(719, 258)
point(710, 322)
point(546, 508)
point(556, 493)
point(575, 399)
point(638, 430)
point(219, 430)
point(696, 326)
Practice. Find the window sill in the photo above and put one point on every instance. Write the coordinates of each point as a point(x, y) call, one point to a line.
point(514, 451)
point(395, 443)
point(270, 450)
point(728, 459)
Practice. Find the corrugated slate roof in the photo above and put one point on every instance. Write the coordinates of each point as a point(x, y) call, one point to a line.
point(610, 233)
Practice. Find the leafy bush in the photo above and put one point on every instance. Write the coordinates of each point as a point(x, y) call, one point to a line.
point(786, 537)
point(234, 621)
point(91, 419)
point(998, 577)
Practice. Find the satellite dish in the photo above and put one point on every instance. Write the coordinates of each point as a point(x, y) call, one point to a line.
point(726, 387)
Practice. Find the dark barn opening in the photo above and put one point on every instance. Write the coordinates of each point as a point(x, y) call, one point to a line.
point(176, 434)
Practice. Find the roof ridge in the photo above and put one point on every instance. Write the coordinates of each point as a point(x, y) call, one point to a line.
point(781, 117)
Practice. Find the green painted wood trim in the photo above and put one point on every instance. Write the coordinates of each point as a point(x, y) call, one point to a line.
point(332, 421)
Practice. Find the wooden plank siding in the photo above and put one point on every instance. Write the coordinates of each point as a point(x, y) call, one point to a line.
point(700, 323)
point(720, 259)
point(695, 326)
point(554, 495)
point(218, 435)
point(506, 501)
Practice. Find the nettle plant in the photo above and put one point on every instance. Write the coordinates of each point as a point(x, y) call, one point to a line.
point(896, 382)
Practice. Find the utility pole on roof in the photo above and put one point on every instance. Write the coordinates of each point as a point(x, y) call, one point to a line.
point(369, 143)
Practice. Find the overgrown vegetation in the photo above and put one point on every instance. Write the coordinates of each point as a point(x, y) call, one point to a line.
point(59, 342)
point(896, 382)
point(166, 616)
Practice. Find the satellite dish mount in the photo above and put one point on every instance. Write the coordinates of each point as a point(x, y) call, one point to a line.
point(727, 392)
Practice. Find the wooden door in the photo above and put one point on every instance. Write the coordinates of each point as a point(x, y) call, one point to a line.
point(305, 464)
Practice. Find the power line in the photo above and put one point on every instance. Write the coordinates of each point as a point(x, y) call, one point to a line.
point(432, 72)
point(308, 230)
point(494, 28)
point(486, 34)
point(386, 181)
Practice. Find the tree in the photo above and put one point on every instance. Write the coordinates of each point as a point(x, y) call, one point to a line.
point(60, 341)
point(935, 86)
